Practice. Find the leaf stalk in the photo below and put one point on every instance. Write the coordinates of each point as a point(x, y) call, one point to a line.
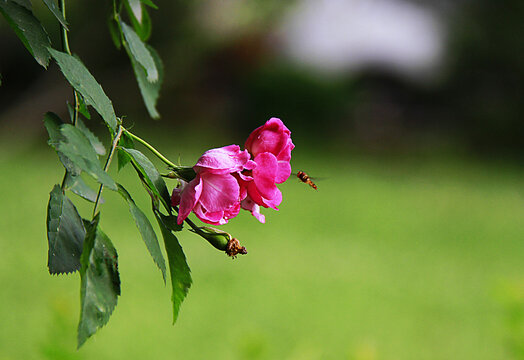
point(152, 149)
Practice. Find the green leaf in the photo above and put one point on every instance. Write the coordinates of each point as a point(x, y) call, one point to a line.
point(125, 141)
point(52, 123)
point(24, 3)
point(28, 29)
point(114, 31)
point(76, 146)
point(100, 281)
point(149, 3)
point(140, 19)
point(65, 234)
point(82, 107)
point(150, 177)
point(83, 82)
point(95, 142)
point(135, 9)
point(171, 223)
point(139, 52)
point(56, 12)
point(150, 91)
point(77, 185)
point(146, 231)
point(145, 28)
point(178, 268)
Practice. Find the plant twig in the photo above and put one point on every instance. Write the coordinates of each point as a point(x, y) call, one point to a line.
point(65, 47)
point(106, 166)
point(152, 149)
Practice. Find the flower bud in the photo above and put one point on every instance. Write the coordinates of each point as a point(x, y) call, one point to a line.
point(221, 240)
point(182, 172)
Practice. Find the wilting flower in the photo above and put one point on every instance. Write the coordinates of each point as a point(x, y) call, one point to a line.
point(214, 194)
point(270, 145)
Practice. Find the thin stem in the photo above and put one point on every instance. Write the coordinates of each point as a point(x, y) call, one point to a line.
point(152, 149)
point(194, 226)
point(64, 35)
point(63, 30)
point(65, 47)
point(106, 166)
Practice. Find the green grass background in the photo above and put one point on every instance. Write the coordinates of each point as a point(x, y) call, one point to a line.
point(389, 259)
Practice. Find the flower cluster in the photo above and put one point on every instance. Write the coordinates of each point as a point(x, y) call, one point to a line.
point(228, 178)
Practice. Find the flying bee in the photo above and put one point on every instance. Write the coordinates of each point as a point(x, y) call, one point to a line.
point(302, 176)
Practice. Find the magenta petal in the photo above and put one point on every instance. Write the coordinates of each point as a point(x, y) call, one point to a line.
point(285, 152)
point(232, 211)
point(252, 192)
point(283, 171)
point(213, 218)
point(270, 137)
point(222, 160)
point(250, 165)
point(243, 189)
point(190, 196)
point(275, 200)
point(177, 193)
point(219, 191)
point(265, 173)
point(250, 205)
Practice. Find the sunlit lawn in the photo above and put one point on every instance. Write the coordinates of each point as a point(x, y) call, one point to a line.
point(387, 260)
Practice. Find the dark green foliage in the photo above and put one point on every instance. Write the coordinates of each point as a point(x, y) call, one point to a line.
point(149, 3)
point(78, 186)
point(27, 28)
point(95, 142)
point(100, 281)
point(114, 31)
point(76, 243)
point(139, 52)
point(150, 90)
point(178, 268)
point(83, 82)
point(82, 107)
point(146, 231)
point(52, 123)
point(139, 17)
point(170, 222)
point(65, 234)
point(76, 146)
point(56, 12)
point(150, 178)
point(125, 142)
point(24, 3)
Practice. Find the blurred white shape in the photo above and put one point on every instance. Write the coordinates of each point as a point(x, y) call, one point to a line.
point(348, 35)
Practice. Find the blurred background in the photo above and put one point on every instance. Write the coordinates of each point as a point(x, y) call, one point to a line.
point(411, 112)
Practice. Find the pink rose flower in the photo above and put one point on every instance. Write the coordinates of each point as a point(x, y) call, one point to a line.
point(270, 145)
point(214, 194)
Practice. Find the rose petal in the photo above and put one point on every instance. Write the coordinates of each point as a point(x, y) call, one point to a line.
point(270, 137)
point(222, 160)
point(213, 218)
point(177, 193)
point(283, 171)
point(253, 193)
point(219, 192)
point(189, 198)
point(265, 173)
point(250, 205)
point(274, 201)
